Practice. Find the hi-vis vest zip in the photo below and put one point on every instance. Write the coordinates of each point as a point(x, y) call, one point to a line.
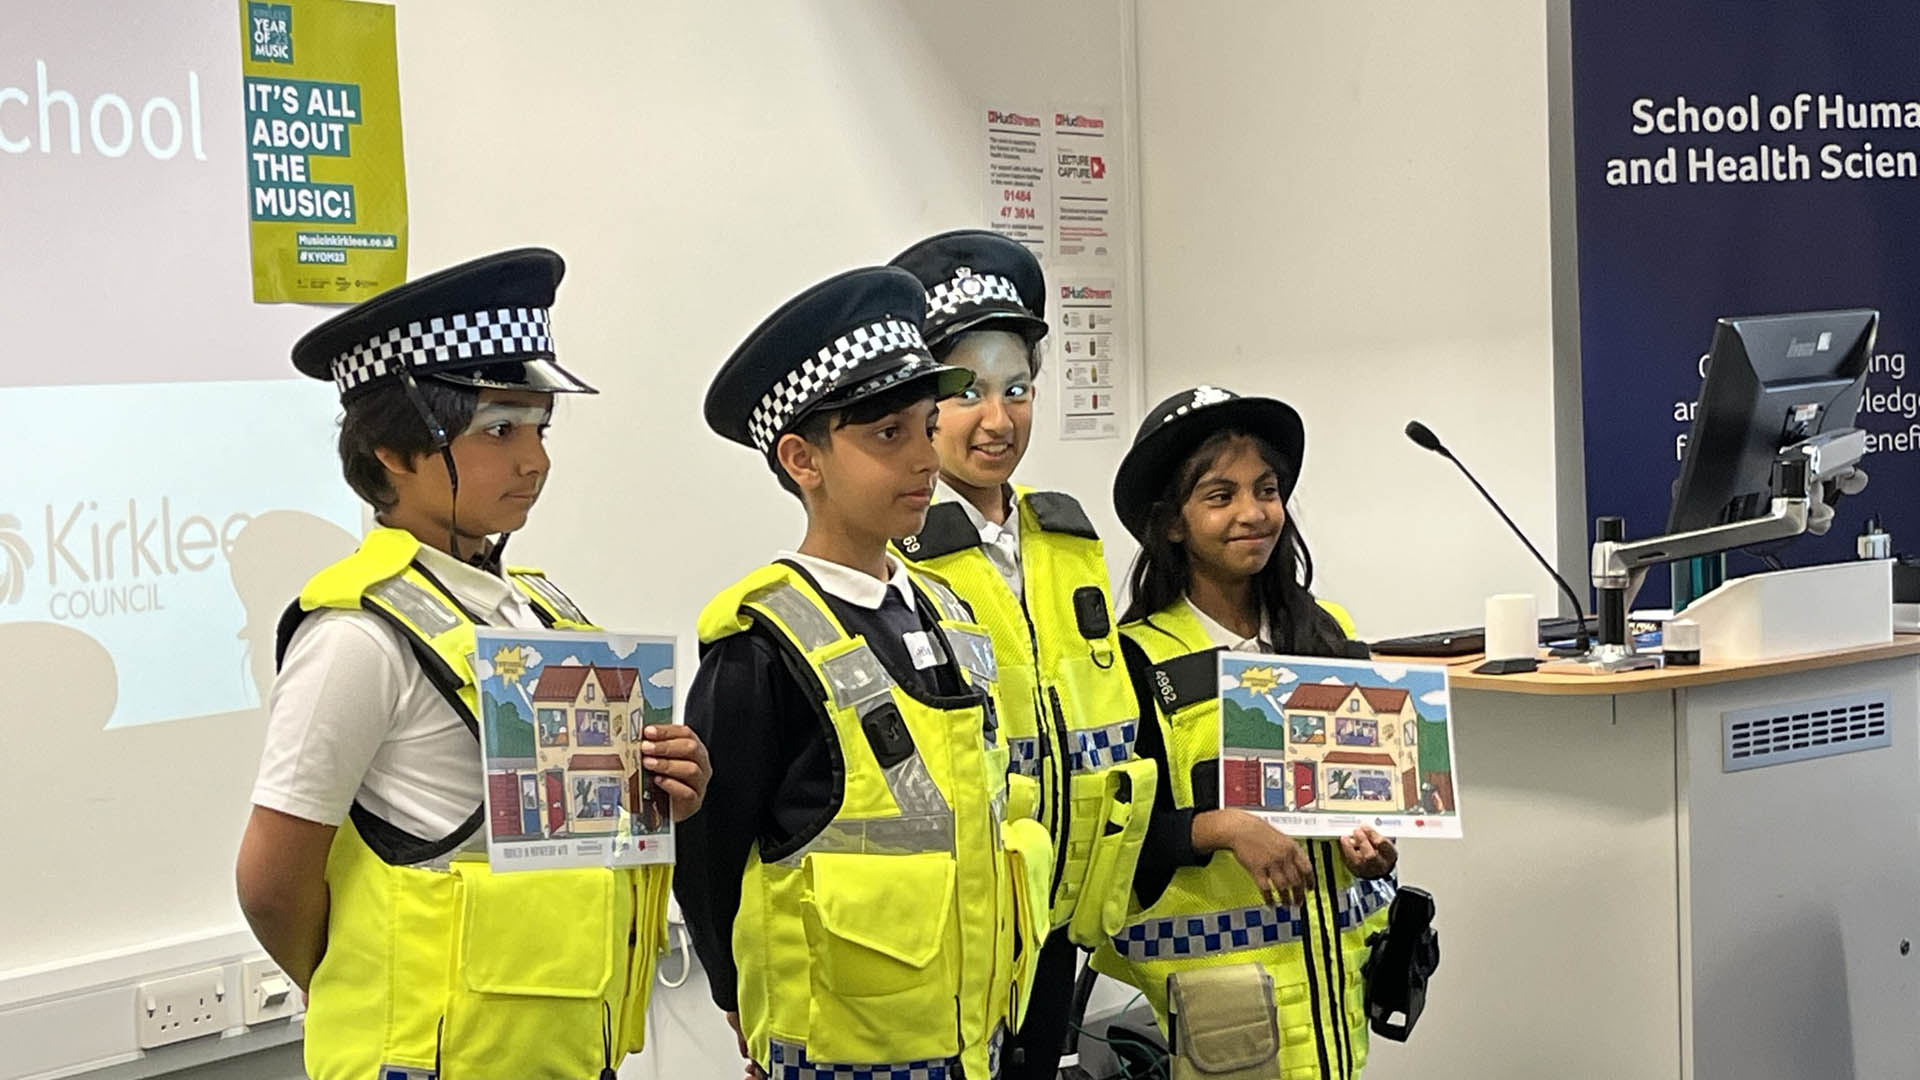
point(435, 965)
point(1070, 716)
point(1214, 915)
point(900, 939)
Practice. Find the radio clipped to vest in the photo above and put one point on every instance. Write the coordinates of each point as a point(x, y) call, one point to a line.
point(1403, 957)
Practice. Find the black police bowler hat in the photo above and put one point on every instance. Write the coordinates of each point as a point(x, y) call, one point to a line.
point(845, 339)
point(976, 279)
point(483, 323)
point(1175, 429)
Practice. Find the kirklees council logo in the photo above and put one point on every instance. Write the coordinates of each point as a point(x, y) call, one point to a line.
point(16, 558)
point(108, 558)
point(270, 32)
point(153, 563)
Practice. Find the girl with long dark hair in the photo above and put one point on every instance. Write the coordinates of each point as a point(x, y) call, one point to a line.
point(1223, 566)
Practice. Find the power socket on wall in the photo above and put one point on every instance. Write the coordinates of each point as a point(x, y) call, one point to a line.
point(179, 1008)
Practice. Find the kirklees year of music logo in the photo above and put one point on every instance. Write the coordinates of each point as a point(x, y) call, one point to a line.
point(270, 32)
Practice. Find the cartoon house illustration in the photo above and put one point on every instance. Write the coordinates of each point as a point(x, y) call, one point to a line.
point(1340, 747)
point(586, 764)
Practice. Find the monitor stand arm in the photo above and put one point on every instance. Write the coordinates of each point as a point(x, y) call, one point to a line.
point(1619, 565)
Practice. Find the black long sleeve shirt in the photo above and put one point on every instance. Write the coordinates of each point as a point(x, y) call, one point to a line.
point(1169, 842)
point(775, 782)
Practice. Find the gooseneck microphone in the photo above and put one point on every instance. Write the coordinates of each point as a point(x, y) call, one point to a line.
point(1424, 438)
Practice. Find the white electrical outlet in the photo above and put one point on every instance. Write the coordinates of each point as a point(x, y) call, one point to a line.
point(183, 1007)
point(266, 992)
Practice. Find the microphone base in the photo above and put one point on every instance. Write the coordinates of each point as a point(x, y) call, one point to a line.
point(1517, 666)
point(1607, 660)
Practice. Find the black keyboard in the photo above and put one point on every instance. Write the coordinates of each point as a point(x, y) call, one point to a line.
point(1473, 639)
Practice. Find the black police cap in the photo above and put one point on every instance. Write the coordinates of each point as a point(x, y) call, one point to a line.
point(977, 279)
point(1176, 427)
point(847, 338)
point(483, 323)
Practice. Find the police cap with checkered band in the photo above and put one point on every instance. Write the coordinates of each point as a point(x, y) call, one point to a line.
point(975, 280)
point(845, 339)
point(1175, 429)
point(482, 324)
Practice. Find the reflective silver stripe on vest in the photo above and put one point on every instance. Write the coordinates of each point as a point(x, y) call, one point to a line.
point(809, 626)
point(554, 598)
point(858, 680)
point(1215, 932)
point(419, 606)
point(951, 609)
point(975, 653)
point(1100, 748)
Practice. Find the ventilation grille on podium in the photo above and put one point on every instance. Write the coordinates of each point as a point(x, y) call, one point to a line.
point(1777, 734)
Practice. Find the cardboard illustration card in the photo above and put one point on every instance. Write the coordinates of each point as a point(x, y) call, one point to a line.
point(562, 716)
point(1319, 746)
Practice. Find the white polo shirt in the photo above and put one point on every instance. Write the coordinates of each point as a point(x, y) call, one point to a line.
point(1230, 641)
point(856, 587)
point(353, 716)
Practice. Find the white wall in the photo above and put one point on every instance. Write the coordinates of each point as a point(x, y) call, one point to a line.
point(1345, 206)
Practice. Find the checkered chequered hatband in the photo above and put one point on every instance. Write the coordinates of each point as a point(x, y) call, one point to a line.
point(968, 288)
point(804, 384)
point(790, 1062)
point(503, 332)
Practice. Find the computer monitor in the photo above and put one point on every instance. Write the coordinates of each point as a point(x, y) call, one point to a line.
point(1772, 381)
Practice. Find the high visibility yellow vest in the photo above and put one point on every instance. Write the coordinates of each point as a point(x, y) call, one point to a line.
point(434, 964)
point(902, 935)
point(1070, 717)
point(1214, 915)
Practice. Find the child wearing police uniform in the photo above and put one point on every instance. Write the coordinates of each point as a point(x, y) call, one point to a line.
point(363, 869)
point(1031, 566)
point(1223, 566)
point(861, 904)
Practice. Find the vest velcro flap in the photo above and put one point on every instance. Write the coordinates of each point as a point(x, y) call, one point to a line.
point(537, 933)
point(896, 905)
point(1226, 1027)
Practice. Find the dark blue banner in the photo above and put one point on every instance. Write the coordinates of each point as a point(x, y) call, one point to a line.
point(1735, 158)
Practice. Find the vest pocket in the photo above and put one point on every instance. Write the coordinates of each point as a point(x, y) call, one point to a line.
point(1030, 866)
point(1116, 819)
point(883, 971)
point(651, 886)
point(534, 954)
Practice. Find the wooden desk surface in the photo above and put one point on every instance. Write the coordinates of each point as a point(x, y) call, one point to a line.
point(1548, 681)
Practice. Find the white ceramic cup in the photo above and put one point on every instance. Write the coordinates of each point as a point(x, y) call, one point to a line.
point(1513, 627)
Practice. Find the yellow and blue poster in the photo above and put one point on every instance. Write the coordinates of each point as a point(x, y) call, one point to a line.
point(326, 179)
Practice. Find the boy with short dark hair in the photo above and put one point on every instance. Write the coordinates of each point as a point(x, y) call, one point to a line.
point(852, 889)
